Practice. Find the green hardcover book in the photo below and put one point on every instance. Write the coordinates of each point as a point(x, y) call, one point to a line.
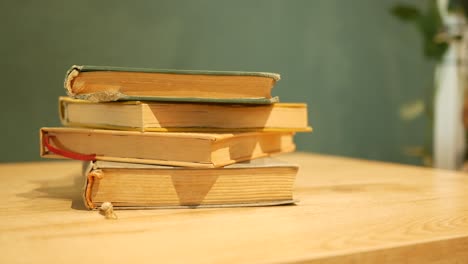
point(104, 84)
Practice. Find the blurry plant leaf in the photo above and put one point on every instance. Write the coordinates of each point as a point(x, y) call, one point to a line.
point(406, 12)
point(458, 6)
point(429, 25)
point(415, 151)
point(420, 152)
point(427, 161)
point(412, 110)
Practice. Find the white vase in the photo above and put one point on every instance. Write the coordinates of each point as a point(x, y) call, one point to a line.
point(449, 134)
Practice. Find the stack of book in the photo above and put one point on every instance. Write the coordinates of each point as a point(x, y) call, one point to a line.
point(174, 138)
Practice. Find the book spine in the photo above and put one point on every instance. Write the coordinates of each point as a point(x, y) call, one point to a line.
point(69, 76)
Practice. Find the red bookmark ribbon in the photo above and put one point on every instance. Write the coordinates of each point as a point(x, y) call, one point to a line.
point(64, 153)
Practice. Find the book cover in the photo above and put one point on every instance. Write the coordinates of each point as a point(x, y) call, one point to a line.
point(107, 83)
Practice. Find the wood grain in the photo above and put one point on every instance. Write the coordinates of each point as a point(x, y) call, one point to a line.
point(350, 211)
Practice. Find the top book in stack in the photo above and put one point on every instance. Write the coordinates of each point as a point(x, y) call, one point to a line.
point(104, 84)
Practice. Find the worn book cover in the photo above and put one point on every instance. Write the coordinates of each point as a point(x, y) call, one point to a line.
point(105, 83)
point(260, 182)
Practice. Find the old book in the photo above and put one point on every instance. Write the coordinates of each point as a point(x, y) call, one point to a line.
point(258, 182)
point(166, 148)
point(103, 83)
point(164, 116)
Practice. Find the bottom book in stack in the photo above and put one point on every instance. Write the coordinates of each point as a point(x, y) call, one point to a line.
point(258, 182)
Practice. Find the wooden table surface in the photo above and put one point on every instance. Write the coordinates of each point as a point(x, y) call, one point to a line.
point(350, 211)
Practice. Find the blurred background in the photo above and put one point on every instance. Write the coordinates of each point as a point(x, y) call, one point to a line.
point(368, 69)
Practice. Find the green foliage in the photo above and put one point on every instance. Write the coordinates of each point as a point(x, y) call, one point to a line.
point(459, 6)
point(406, 12)
point(428, 23)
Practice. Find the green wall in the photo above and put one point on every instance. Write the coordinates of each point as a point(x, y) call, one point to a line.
point(350, 61)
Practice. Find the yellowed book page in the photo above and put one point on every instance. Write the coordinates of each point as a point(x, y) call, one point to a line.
point(156, 186)
point(180, 149)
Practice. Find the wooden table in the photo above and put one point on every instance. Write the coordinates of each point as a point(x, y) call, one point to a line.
point(350, 211)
